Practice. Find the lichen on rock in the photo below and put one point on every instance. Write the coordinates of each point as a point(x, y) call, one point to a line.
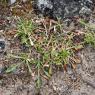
point(64, 8)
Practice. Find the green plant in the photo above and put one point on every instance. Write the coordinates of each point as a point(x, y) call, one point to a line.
point(90, 38)
point(25, 29)
point(64, 56)
point(38, 80)
point(59, 25)
point(4, 1)
point(25, 59)
point(89, 26)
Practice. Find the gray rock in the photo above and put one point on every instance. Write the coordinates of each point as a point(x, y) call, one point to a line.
point(64, 8)
point(12, 1)
point(2, 45)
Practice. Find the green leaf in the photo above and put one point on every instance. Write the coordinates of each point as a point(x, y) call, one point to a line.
point(47, 73)
point(64, 53)
point(28, 65)
point(12, 68)
point(38, 82)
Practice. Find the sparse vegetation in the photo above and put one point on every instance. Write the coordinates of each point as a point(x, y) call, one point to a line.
point(90, 39)
point(56, 49)
point(47, 49)
point(44, 53)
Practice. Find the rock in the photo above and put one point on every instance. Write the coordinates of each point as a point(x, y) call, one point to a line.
point(64, 8)
point(12, 1)
point(2, 45)
point(1, 68)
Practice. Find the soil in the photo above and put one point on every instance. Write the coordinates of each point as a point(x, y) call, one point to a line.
point(78, 81)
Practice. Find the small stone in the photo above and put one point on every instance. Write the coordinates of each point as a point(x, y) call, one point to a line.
point(73, 77)
point(12, 1)
point(1, 68)
point(2, 45)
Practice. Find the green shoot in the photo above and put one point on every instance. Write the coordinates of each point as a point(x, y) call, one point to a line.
point(25, 29)
point(90, 38)
point(24, 60)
